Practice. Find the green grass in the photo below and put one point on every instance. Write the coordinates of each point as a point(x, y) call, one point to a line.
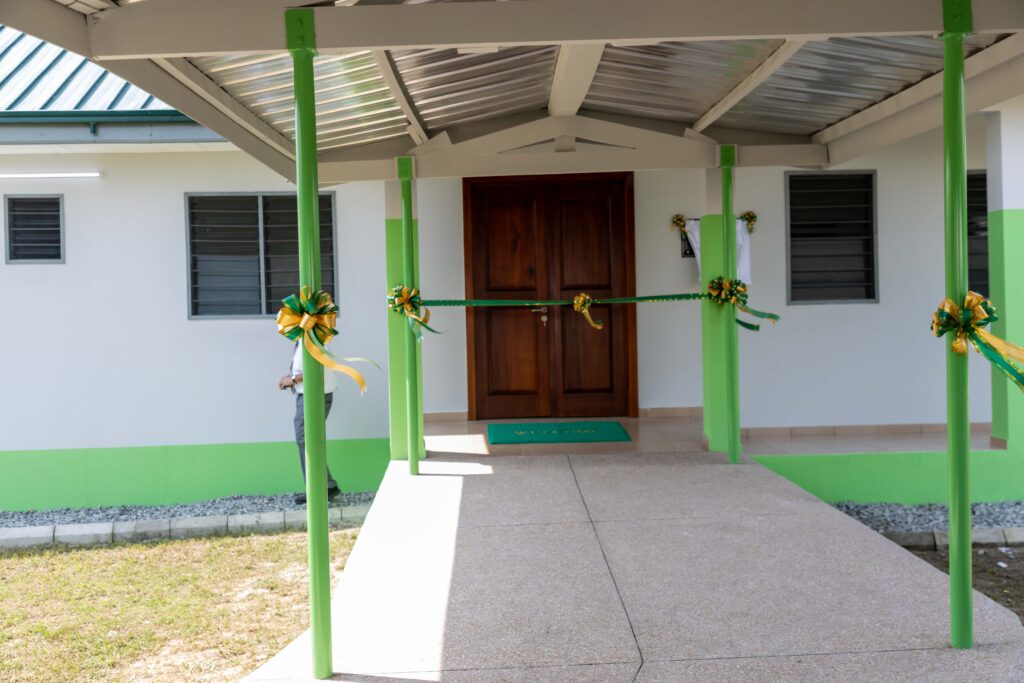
point(195, 610)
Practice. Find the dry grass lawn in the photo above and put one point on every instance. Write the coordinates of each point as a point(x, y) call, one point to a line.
point(192, 610)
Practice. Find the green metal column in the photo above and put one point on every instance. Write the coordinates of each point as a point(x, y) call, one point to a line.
point(302, 46)
point(957, 23)
point(713, 328)
point(727, 162)
point(413, 408)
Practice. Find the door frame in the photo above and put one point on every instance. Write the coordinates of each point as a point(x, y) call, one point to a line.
point(626, 177)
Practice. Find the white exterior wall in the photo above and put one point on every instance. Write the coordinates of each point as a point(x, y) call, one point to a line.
point(88, 366)
point(71, 384)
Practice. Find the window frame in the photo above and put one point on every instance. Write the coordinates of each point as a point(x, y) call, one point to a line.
point(874, 241)
point(262, 246)
point(988, 262)
point(59, 196)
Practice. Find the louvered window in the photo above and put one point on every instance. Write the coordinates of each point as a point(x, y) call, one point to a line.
point(977, 232)
point(832, 237)
point(35, 229)
point(243, 252)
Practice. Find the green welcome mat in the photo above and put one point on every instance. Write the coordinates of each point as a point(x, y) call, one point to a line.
point(556, 432)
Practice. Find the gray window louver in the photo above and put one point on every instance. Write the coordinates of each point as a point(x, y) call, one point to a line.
point(35, 229)
point(832, 256)
point(243, 252)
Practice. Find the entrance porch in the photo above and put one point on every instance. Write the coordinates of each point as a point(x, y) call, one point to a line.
point(591, 563)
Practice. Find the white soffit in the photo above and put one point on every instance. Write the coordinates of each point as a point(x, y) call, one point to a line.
point(450, 88)
point(353, 102)
point(674, 81)
point(828, 81)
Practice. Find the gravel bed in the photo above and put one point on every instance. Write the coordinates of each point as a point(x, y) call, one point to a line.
point(894, 517)
point(230, 505)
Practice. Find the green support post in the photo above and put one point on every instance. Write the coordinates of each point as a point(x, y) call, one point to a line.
point(957, 23)
point(301, 41)
point(413, 416)
point(713, 329)
point(727, 162)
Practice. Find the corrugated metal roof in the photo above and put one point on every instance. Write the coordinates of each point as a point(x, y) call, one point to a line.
point(38, 76)
point(353, 103)
point(823, 83)
point(675, 81)
point(828, 81)
point(449, 88)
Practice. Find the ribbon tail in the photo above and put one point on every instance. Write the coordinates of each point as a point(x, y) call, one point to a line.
point(749, 326)
point(760, 314)
point(599, 325)
point(994, 349)
point(359, 359)
point(324, 357)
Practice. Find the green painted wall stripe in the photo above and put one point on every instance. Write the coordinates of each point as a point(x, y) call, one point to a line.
point(910, 478)
point(165, 475)
point(1006, 236)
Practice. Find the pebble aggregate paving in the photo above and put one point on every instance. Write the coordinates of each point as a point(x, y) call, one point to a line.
point(894, 517)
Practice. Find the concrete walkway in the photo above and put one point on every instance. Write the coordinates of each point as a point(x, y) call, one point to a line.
point(641, 566)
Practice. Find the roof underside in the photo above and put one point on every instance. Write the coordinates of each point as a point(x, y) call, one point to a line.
point(412, 95)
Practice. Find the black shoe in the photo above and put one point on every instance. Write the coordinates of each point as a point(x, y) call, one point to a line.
point(333, 493)
point(300, 499)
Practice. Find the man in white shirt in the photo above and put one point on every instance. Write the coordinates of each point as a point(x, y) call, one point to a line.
point(293, 381)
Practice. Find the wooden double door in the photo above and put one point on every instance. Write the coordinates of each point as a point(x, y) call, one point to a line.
point(542, 238)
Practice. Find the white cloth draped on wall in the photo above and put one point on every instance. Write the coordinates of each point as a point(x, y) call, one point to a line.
point(742, 247)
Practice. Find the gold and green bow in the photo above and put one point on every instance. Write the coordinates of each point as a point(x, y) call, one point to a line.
point(968, 324)
point(581, 303)
point(311, 316)
point(407, 302)
point(722, 291)
point(750, 218)
point(679, 222)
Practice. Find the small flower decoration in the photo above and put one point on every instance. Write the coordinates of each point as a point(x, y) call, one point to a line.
point(750, 218)
point(679, 222)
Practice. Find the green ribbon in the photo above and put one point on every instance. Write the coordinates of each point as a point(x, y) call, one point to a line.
point(723, 291)
point(967, 325)
point(406, 301)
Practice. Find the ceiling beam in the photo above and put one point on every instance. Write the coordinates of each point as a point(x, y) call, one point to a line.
point(804, 156)
point(199, 83)
point(770, 65)
point(574, 72)
point(417, 129)
point(156, 81)
point(172, 28)
point(993, 75)
point(48, 21)
point(991, 57)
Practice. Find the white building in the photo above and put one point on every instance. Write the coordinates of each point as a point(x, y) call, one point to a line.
point(131, 367)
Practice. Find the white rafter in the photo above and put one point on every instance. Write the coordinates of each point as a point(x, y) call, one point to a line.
point(770, 65)
point(574, 72)
point(388, 70)
point(198, 82)
point(173, 28)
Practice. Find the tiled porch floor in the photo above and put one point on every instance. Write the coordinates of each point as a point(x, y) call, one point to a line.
point(652, 435)
point(626, 563)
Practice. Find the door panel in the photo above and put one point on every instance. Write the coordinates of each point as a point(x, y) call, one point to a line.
point(593, 239)
point(511, 345)
point(585, 250)
point(552, 237)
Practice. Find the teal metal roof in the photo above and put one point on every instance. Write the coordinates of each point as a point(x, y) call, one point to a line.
point(36, 76)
